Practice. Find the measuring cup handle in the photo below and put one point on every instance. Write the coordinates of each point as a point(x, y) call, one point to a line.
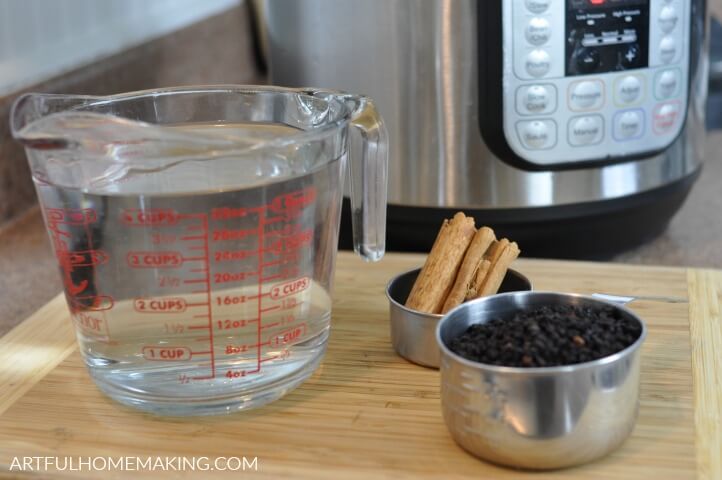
point(368, 165)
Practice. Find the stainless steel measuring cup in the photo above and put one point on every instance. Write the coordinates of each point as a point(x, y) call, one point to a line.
point(196, 230)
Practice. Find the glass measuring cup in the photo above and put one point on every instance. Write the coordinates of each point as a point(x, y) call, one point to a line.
point(196, 231)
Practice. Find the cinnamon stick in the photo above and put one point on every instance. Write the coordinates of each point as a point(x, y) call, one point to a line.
point(438, 273)
point(491, 257)
point(498, 270)
point(481, 274)
point(469, 267)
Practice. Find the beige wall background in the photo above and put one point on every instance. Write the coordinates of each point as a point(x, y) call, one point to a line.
point(715, 6)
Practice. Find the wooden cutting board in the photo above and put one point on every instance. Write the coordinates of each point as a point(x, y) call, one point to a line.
point(367, 413)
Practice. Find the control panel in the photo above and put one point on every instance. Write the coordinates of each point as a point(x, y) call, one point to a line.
point(590, 80)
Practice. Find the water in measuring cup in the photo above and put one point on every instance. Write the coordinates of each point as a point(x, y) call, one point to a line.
point(196, 288)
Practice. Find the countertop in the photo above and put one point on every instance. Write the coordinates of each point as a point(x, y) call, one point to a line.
point(368, 413)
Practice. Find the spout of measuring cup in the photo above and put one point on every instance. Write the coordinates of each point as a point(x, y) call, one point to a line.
point(368, 165)
point(31, 107)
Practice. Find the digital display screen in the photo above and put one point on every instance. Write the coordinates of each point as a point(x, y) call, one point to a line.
point(606, 36)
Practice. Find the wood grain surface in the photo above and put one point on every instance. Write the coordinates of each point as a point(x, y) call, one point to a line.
point(706, 337)
point(367, 413)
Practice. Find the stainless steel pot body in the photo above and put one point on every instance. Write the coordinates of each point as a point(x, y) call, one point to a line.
point(419, 61)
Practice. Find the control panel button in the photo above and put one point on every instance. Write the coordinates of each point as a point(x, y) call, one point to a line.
point(628, 124)
point(538, 31)
point(628, 89)
point(667, 49)
point(665, 117)
point(630, 56)
point(587, 60)
point(537, 134)
point(666, 83)
point(586, 95)
point(538, 63)
point(536, 99)
point(590, 80)
point(586, 130)
point(537, 6)
point(668, 18)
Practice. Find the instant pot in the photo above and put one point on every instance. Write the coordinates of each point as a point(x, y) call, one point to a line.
point(575, 127)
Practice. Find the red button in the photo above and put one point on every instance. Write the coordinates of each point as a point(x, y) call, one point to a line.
point(597, 2)
point(665, 117)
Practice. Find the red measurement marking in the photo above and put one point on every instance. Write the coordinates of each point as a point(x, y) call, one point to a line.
point(289, 303)
point(294, 201)
point(235, 373)
point(198, 327)
point(274, 263)
point(173, 327)
point(288, 336)
point(195, 280)
point(298, 240)
point(85, 258)
point(160, 305)
point(208, 294)
point(162, 238)
point(252, 346)
point(235, 349)
point(229, 324)
point(204, 377)
point(226, 277)
point(198, 304)
point(71, 261)
point(227, 213)
point(259, 293)
point(290, 288)
point(282, 274)
point(95, 303)
point(287, 229)
point(233, 255)
point(270, 309)
point(71, 216)
point(193, 237)
point(165, 281)
point(193, 259)
point(286, 319)
point(154, 259)
point(230, 299)
point(166, 354)
point(135, 217)
point(256, 297)
point(225, 234)
point(285, 245)
point(271, 325)
point(285, 258)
